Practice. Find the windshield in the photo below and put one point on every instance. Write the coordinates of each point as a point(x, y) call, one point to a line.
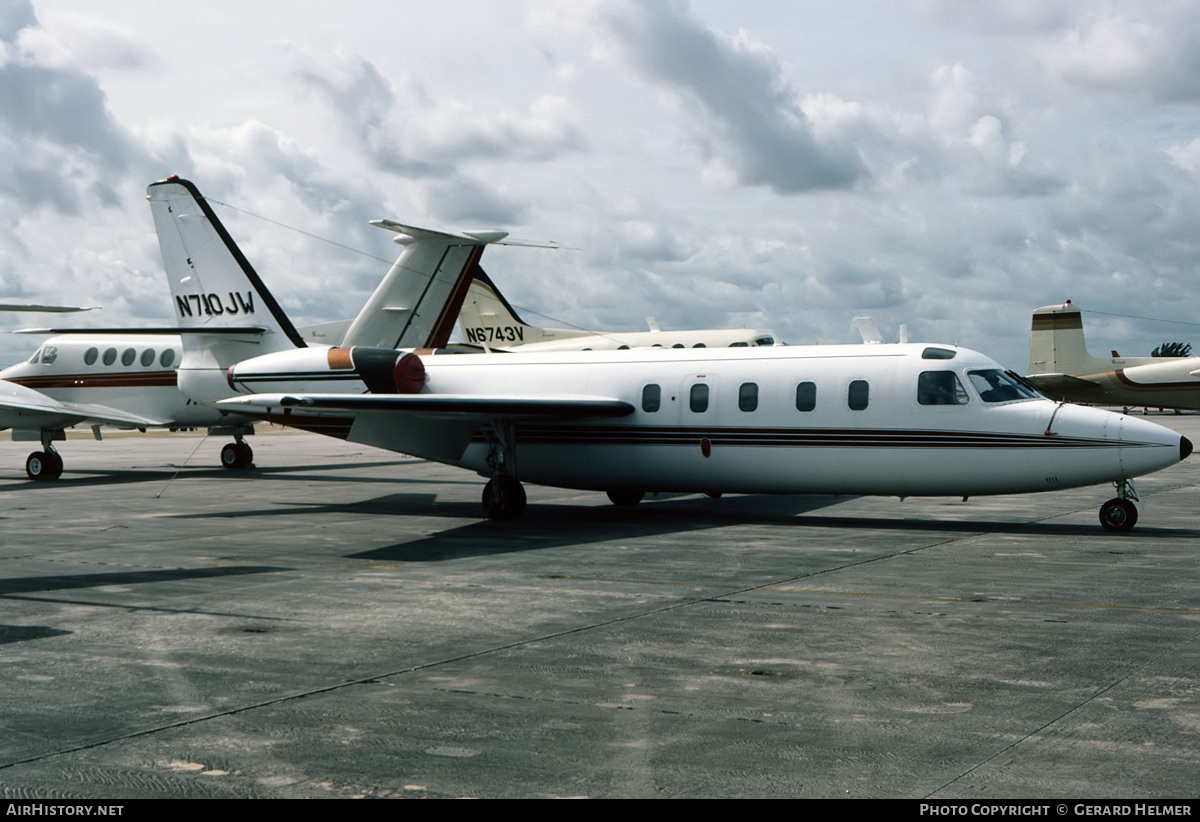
point(995, 385)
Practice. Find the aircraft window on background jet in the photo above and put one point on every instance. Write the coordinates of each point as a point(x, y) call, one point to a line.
point(739, 344)
point(806, 396)
point(110, 356)
point(651, 397)
point(622, 348)
point(698, 401)
point(859, 395)
point(940, 388)
point(765, 341)
point(49, 354)
point(148, 357)
point(89, 356)
point(128, 356)
point(699, 345)
point(995, 385)
point(748, 396)
point(167, 358)
point(678, 345)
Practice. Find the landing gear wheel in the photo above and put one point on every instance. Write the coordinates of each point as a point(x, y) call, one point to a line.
point(503, 498)
point(625, 497)
point(237, 455)
point(44, 465)
point(1118, 515)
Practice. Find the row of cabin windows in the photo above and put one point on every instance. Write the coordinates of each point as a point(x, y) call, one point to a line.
point(933, 388)
point(739, 344)
point(130, 355)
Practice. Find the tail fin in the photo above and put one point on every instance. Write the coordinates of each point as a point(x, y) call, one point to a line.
point(419, 299)
point(1056, 344)
point(215, 289)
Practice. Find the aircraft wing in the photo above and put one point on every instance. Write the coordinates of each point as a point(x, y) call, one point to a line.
point(480, 406)
point(433, 426)
point(23, 407)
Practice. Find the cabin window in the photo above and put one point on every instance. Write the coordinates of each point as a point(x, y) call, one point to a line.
point(128, 356)
point(699, 345)
point(748, 396)
point(678, 345)
point(806, 396)
point(110, 356)
point(859, 395)
point(765, 341)
point(89, 356)
point(940, 388)
point(995, 385)
point(148, 358)
point(739, 344)
point(698, 400)
point(651, 398)
point(167, 358)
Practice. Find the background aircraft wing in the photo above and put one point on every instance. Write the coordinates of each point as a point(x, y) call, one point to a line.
point(24, 407)
point(1052, 384)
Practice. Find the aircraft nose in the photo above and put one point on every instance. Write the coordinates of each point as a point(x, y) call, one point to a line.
point(1185, 448)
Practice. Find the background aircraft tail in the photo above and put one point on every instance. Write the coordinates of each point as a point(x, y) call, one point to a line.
point(220, 303)
point(1056, 344)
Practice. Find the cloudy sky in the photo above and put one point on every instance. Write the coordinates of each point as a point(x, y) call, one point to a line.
point(789, 165)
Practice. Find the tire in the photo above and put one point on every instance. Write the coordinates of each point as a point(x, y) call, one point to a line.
point(625, 497)
point(236, 455)
point(44, 466)
point(503, 498)
point(1118, 515)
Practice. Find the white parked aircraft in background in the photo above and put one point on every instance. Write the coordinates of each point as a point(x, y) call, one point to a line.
point(1060, 366)
point(862, 419)
point(126, 377)
point(487, 320)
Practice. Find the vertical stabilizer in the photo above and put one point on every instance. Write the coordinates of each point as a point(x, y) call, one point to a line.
point(417, 303)
point(1056, 344)
point(213, 286)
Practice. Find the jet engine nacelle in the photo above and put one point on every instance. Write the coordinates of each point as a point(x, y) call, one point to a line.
point(315, 370)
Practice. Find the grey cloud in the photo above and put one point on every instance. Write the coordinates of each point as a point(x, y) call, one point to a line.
point(14, 16)
point(739, 90)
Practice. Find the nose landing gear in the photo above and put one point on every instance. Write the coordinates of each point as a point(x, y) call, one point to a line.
point(1120, 513)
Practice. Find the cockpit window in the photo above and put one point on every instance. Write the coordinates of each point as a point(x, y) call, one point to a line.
point(940, 388)
point(765, 341)
point(995, 385)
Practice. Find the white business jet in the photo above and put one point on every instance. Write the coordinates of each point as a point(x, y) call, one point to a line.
point(126, 377)
point(487, 319)
point(900, 420)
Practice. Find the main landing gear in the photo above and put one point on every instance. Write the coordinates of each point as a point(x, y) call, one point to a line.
point(44, 465)
point(1120, 513)
point(237, 455)
point(503, 496)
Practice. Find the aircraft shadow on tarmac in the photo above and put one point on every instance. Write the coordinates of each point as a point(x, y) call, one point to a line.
point(554, 525)
point(127, 476)
point(551, 526)
point(63, 582)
